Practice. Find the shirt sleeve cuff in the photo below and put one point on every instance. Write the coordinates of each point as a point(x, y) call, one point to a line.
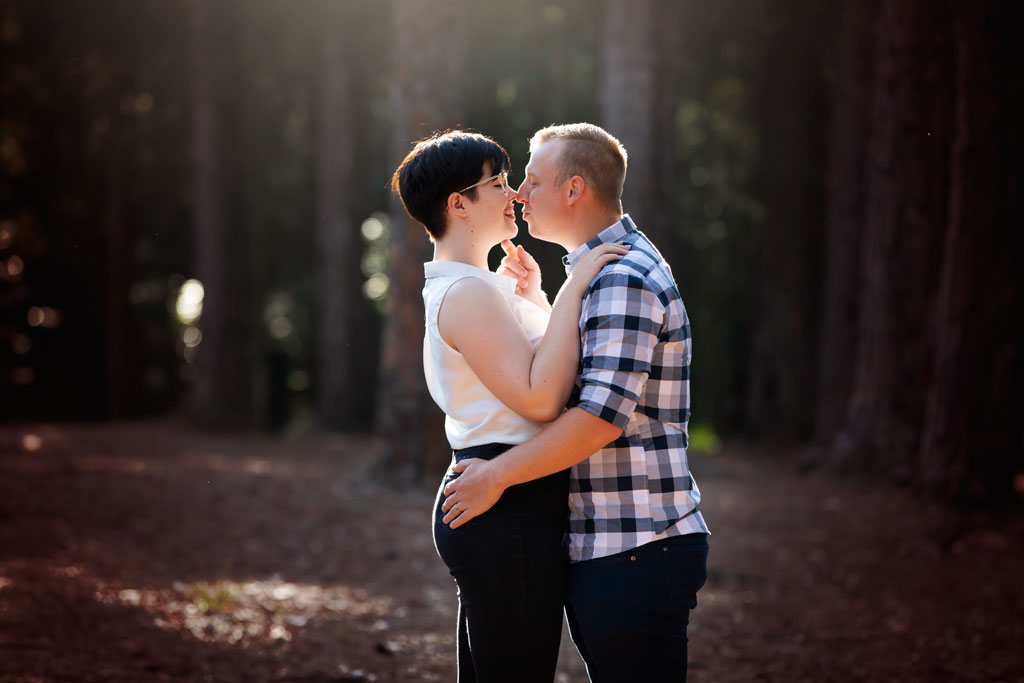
point(607, 404)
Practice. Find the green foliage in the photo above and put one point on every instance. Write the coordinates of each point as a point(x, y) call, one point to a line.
point(703, 438)
point(212, 598)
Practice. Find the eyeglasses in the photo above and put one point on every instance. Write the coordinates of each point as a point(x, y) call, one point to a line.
point(500, 177)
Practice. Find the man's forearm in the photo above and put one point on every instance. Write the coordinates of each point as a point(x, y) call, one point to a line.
point(572, 438)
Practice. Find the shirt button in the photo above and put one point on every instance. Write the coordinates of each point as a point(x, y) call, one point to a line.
point(632, 558)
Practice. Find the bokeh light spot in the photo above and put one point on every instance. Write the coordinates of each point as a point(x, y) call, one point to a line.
point(15, 266)
point(281, 327)
point(506, 93)
point(143, 103)
point(191, 336)
point(298, 380)
point(376, 287)
point(7, 231)
point(189, 306)
point(21, 344)
point(372, 228)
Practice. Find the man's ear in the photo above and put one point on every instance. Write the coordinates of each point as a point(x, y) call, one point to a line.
point(456, 204)
point(576, 187)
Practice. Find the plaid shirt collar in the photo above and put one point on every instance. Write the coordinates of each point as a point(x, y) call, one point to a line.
point(615, 232)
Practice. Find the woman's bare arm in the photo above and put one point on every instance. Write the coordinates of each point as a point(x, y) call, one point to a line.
point(475, 320)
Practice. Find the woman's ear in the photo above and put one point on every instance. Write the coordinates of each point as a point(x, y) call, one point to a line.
point(576, 187)
point(456, 205)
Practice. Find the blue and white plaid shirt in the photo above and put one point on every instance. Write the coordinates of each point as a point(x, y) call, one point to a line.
point(635, 374)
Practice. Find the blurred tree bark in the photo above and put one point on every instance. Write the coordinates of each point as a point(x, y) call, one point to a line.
point(790, 92)
point(628, 96)
point(116, 266)
point(905, 213)
point(339, 245)
point(851, 107)
point(222, 388)
point(671, 36)
point(425, 95)
point(967, 436)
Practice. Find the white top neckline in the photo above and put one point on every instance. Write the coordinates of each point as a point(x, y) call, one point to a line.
point(456, 268)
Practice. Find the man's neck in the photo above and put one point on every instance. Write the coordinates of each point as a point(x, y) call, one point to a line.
point(589, 228)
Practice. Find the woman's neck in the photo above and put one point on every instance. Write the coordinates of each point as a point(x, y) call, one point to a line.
point(460, 250)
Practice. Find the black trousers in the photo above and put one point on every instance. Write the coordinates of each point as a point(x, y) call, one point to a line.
point(628, 612)
point(510, 567)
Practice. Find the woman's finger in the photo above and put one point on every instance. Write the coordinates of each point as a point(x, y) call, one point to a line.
point(509, 248)
point(513, 266)
point(448, 504)
point(453, 513)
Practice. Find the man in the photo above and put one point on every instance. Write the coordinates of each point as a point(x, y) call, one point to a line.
point(637, 540)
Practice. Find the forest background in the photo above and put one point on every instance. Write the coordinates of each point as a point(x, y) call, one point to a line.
point(195, 213)
point(217, 452)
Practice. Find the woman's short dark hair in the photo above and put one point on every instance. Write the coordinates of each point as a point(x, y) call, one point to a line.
point(439, 165)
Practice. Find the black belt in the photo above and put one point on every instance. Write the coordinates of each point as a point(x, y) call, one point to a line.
point(487, 451)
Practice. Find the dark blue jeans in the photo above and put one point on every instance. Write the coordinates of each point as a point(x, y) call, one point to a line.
point(628, 612)
point(510, 567)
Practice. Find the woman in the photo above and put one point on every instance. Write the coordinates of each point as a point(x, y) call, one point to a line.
point(500, 361)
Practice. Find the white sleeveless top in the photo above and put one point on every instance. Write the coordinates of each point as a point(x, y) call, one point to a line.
point(474, 416)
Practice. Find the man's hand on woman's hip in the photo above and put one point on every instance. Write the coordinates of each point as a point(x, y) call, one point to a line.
point(470, 494)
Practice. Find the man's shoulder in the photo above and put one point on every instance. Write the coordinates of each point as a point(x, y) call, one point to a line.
point(642, 268)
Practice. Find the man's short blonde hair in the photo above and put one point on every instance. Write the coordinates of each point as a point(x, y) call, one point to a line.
point(590, 152)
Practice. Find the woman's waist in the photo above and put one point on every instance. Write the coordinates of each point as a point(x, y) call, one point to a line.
point(502, 428)
point(484, 451)
point(556, 483)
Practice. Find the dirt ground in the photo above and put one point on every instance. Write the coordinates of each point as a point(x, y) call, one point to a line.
point(152, 552)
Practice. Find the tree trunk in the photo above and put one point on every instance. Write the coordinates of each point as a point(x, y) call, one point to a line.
point(425, 96)
point(337, 236)
point(851, 105)
point(117, 281)
point(966, 441)
point(793, 138)
point(222, 396)
point(628, 100)
point(905, 216)
point(660, 221)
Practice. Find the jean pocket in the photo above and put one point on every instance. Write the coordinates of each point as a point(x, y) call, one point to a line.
point(686, 570)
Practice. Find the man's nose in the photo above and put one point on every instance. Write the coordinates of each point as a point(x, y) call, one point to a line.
point(520, 195)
